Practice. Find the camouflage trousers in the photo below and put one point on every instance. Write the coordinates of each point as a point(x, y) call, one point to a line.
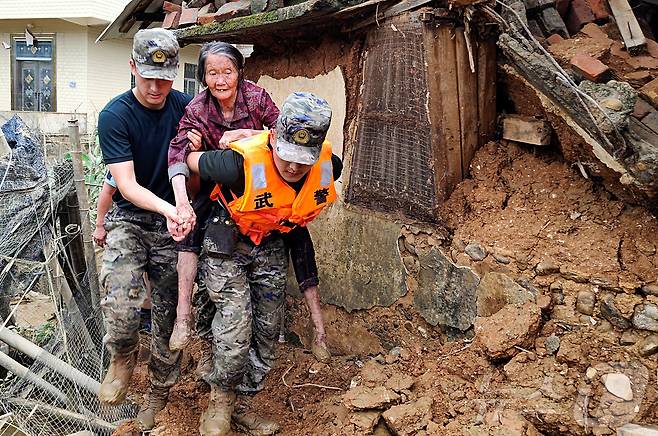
point(245, 301)
point(139, 242)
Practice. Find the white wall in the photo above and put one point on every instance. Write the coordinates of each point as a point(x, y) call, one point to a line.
point(330, 86)
point(105, 10)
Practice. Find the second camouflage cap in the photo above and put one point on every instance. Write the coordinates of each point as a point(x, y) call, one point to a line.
point(155, 52)
point(302, 127)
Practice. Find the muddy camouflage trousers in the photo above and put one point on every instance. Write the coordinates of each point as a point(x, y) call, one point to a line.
point(139, 242)
point(243, 305)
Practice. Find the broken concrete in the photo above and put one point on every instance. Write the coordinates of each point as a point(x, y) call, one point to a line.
point(446, 293)
point(367, 271)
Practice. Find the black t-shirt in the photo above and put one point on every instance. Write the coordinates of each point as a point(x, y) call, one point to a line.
point(129, 131)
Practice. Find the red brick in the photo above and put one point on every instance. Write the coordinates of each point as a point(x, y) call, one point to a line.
point(650, 92)
point(554, 39)
point(599, 9)
point(171, 20)
point(188, 17)
point(590, 68)
point(171, 7)
point(579, 15)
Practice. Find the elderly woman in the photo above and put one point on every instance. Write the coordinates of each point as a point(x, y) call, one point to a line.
point(228, 109)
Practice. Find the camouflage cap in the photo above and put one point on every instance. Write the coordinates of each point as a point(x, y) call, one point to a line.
point(301, 127)
point(155, 52)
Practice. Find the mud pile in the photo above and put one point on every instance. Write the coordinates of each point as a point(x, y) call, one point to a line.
point(563, 342)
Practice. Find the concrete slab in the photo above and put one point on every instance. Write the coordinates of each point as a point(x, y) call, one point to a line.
point(446, 293)
point(357, 256)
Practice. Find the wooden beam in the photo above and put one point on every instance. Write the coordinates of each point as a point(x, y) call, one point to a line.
point(486, 53)
point(628, 26)
point(446, 77)
point(467, 88)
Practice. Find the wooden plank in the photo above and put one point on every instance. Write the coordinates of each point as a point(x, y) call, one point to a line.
point(435, 110)
point(628, 26)
point(468, 99)
point(486, 53)
point(443, 99)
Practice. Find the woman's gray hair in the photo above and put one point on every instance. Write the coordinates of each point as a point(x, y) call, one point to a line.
point(218, 48)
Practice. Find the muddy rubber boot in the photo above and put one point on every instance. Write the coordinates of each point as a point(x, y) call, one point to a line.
point(320, 351)
point(216, 420)
point(114, 388)
point(155, 401)
point(181, 334)
point(255, 424)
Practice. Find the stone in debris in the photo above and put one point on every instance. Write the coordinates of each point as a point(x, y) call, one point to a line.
point(496, 290)
point(502, 259)
point(399, 382)
point(511, 326)
point(637, 430)
point(599, 9)
point(641, 109)
point(363, 397)
point(381, 429)
point(475, 251)
point(585, 302)
point(649, 345)
point(612, 104)
point(645, 317)
point(574, 276)
point(629, 337)
point(590, 373)
point(638, 78)
point(407, 419)
point(650, 289)
point(610, 312)
point(545, 302)
point(365, 420)
point(552, 344)
point(546, 267)
point(618, 385)
point(551, 22)
point(373, 374)
point(650, 92)
point(512, 18)
point(536, 30)
point(446, 293)
point(571, 352)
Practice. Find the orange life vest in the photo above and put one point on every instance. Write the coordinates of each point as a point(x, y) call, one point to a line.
point(268, 202)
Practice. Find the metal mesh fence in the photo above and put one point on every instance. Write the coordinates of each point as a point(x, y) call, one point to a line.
point(393, 157)
point(52, 389)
